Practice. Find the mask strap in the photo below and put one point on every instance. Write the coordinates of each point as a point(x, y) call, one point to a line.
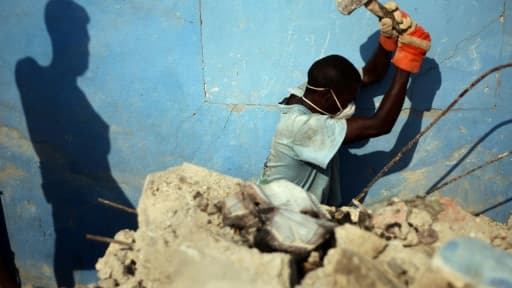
point(314, 106)
point(336, 99)
point(315, 88)
point(323, 89)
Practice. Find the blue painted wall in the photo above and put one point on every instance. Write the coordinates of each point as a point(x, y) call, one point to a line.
point(97, 94)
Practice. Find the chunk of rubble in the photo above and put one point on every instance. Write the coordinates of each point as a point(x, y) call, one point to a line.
point(182, 240)
point(351, 215)
point(117, 266)
point(180, 244)
point(403, 221)
point(406, 264)
point(347, 268)
point(282, 216)
point(454, 222)
point(391, 221)
point(363, 242)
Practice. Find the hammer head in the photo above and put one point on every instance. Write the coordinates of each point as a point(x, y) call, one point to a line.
point(348, 6)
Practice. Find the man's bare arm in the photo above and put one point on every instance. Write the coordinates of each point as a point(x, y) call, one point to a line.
point(408, 56)
point(377, 67)
point(384, 119)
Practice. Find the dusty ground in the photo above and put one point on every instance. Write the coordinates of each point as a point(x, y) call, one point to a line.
point(182, 242)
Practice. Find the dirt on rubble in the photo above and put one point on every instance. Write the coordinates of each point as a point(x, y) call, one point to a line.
point(182, 241)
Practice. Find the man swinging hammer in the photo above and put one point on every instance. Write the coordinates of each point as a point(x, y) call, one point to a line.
point(316, 119)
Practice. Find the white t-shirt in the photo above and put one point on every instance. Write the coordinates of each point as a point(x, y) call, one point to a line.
point(304, 151)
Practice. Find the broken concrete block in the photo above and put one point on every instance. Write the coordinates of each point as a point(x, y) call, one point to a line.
point(391, 220)
point(405, 263)
point(183, 242)
point(420, 219)
point(427, 236)
point(347, 268)
point(454, 222)
point(287, 195)
point(314, 261)
point(431, 277)
point(293, 232)
point(411, 239)
point(180, 244)
point(351, 215)
point(283, 216)
point(364, 242)
point(195, 262)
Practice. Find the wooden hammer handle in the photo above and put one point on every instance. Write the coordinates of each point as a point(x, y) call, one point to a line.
point(378, 9)
point(381, 11)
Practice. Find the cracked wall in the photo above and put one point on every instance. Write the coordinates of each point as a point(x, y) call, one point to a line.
point(197, 81)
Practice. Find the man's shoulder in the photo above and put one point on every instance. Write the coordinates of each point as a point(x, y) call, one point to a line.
point(27, 64)
point(27, 69)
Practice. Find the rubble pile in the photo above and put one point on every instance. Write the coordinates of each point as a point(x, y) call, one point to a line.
point(182, 242)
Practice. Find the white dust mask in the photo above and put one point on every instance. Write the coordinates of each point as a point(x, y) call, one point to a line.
point(342, 114)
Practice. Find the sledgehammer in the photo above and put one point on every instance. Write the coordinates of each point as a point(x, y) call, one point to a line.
point(348, 6)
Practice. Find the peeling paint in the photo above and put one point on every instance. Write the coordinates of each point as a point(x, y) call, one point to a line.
point(15, 141)
point(36, 274)
point(26, 208)
point(415, 177)
point(10, 172)
point(498, 81)
point(237, 108)
point(431, 114)
point(465, 53)
point(427, 114)
point(503, 14)
point(496, 178)
point(456, 155)
point(413, 181)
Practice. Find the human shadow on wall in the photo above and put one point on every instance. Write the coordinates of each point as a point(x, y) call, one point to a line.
point(72, 143)
point(357, 170)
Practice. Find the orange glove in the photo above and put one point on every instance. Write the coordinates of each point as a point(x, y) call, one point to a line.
point(412, 47)
point(412, 40)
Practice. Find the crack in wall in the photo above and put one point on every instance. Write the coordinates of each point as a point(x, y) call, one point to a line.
point(466, 39)
point(504, 13)
point(180, 125)
point(201, 40)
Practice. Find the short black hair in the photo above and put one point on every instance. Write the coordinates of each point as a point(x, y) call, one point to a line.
point(334, 72)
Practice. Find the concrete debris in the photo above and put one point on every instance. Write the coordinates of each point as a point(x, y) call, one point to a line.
point(391, 221)
point(184, 238)
point(347, 268)
point(279, 216)
point(182, 242)
point(350, 215)
point(314, 261)
point(118, 264)
point(351, 237)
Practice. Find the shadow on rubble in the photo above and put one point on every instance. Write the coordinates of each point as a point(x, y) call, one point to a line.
point(72, 143)
point(357, 170)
